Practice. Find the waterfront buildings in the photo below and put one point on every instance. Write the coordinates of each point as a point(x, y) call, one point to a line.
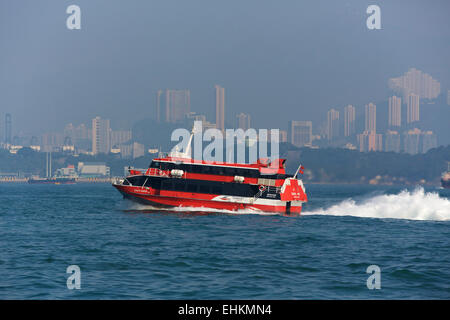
point(93, 170)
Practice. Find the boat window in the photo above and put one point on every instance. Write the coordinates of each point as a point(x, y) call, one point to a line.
point(179, 186)
point(137, 181)
point(196, 169)
point(149, 183)
point(192, 188)
point(206, 170)
point(164, 166)
point(154, 183)
point(204, 189)
point(254, 173)
point(167, 185)
point(154, 164)
point(216, 190)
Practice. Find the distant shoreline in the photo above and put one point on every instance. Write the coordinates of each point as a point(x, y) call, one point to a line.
point(110, 180)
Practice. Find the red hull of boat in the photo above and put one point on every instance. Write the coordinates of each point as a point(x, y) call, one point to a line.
point(144, 196)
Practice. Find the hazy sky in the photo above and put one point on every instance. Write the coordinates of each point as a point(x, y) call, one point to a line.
point(278, 60)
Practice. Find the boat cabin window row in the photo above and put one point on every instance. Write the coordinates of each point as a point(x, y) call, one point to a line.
point(201, 186)
point(209, 187)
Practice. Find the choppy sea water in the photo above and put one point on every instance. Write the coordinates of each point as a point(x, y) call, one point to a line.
point(127, 251)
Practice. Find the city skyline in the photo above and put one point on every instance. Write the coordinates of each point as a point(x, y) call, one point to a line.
point(367, 140)
point(173, 106)
point(295, 64)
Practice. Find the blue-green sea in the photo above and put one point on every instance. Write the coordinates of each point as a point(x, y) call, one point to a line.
point(128, 251)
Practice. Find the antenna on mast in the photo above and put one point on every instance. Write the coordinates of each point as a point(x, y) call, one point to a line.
point(300, 168)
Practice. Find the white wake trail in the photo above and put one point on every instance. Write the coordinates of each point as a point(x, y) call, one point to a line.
point(415, 205)
point(142, 207)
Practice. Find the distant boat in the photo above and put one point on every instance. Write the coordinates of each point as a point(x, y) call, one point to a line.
point(49, 179)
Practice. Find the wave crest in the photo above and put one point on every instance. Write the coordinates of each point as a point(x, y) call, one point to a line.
point(415, 205)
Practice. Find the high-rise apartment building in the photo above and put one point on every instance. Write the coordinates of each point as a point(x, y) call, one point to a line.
point(172, 105)
point(370, 141)
point(429, 141)
point(69, 131)
point(416, 141)
point(243, 121)
point(332, 124)
point(159, 105)
point(138, 150)
point(395, 111)
point(417, 82)
point(51, 141)
point(119, 137)
point(392, 141)
point(411, 141)
point(349, 121)
point(283, 136)
point(8, 129)
point(100, 135)
point(178, 105)
point(300, 133)
point(220, 108)
point(371, 118)
point(412, 109)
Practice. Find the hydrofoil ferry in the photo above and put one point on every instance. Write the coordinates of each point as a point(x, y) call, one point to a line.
point(179, 181)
